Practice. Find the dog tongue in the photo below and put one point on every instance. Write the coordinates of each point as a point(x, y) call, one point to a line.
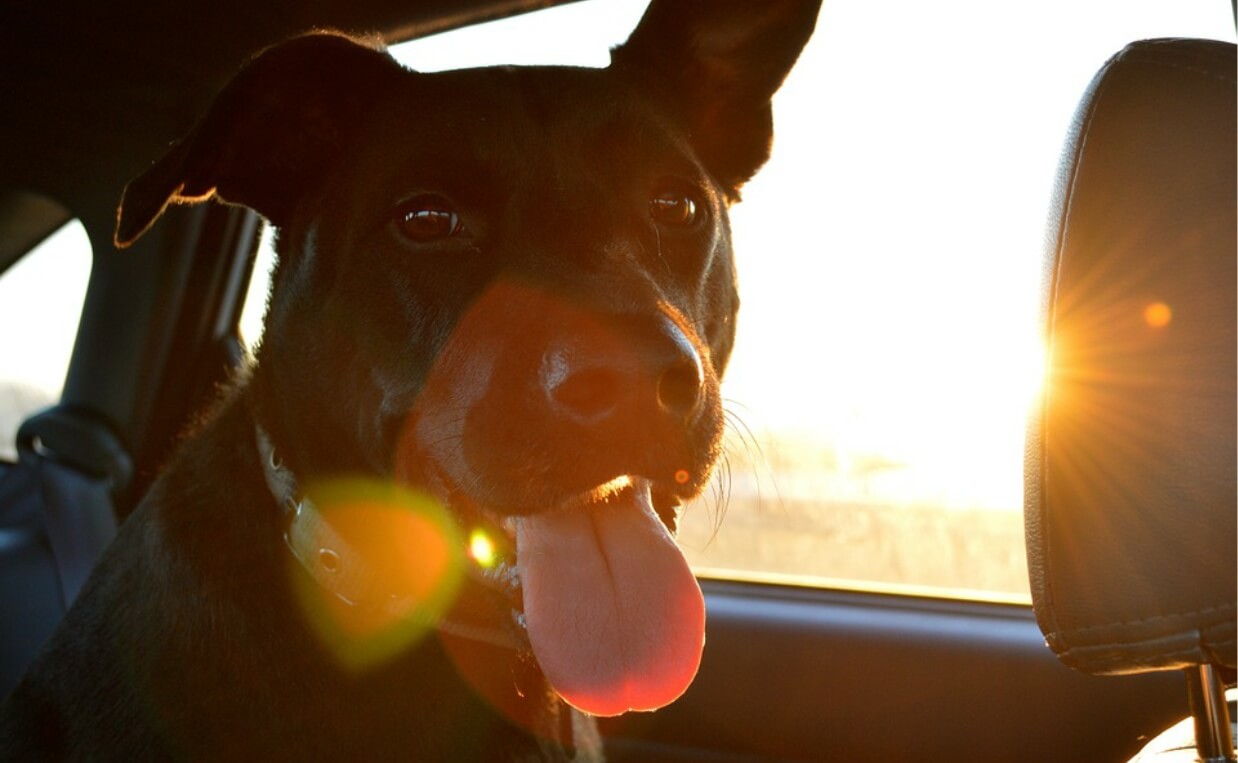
point(614, 614)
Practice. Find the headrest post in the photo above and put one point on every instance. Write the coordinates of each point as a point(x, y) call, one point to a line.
point(1213, 737)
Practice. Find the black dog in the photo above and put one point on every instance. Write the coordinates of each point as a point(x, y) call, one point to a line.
point(503, 301)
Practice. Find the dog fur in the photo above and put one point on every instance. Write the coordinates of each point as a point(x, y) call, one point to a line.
point(502, 287)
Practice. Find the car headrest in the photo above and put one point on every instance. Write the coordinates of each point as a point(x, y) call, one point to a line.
point(1130, 499)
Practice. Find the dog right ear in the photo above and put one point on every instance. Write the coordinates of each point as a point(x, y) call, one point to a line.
point(721, 62)
point(274, 127)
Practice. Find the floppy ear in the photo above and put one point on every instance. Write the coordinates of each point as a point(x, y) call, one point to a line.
point(723, 60)
point(269, 132)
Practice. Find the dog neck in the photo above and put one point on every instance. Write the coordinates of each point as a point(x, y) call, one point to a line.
point(484, 635)
point(478, 613)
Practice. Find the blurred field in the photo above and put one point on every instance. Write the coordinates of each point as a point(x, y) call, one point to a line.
point(916, 546)
point(799, 510)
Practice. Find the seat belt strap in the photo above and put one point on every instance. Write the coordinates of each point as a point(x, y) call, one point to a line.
point(79, 465)
point(79, 521)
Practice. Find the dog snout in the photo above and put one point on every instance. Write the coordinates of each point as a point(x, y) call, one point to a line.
point(657, 372)
point(681, 382)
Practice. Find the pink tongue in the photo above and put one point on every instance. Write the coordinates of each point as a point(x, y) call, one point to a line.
point(614, 614)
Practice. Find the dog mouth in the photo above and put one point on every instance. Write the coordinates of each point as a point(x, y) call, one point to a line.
point(491, 534)
point(597, 588)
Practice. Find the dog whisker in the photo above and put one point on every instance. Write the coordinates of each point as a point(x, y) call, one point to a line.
point(742, 448)
point(721, 485)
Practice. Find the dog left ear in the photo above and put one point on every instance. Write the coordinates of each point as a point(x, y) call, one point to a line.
point(724, 60)
point(267, 135)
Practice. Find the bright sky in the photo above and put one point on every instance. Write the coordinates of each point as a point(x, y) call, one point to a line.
point(890, 252)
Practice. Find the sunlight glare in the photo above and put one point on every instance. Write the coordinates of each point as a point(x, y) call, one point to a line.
point(482, 549)
point(391, 562)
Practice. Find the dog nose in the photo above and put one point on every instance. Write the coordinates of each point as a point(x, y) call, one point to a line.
point(656, 373)
point(681, 381)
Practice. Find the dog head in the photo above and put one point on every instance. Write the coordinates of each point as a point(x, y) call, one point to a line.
point(512, 288)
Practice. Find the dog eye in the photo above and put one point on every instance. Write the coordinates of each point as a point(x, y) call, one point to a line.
point(424, 220)
point(674, 209)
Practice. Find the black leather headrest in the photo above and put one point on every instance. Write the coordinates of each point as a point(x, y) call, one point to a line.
point(1130, 472)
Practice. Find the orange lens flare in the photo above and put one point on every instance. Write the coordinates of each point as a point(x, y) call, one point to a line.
point(1158, 315)
point(682, 476)
point(394, 560)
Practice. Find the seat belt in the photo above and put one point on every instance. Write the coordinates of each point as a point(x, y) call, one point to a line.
point(56, 518)
point(78, 464)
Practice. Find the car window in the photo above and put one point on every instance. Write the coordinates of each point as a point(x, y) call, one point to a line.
point(889, 258)
point(41, 299)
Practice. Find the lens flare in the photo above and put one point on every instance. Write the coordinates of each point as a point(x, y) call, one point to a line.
point(386, 566)
point(1158, 315)
point(482, 550)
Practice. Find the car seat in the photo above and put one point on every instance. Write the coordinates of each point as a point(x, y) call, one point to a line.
point(1130, 463)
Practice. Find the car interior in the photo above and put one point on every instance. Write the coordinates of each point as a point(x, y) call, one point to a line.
point(1116, 639)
